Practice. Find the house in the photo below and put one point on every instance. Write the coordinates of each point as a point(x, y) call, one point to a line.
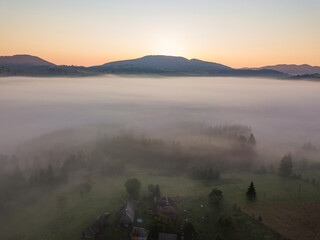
point(167, 207)
point(139, 233)
point(126, 215)
point(94, 229)
point(167, 236)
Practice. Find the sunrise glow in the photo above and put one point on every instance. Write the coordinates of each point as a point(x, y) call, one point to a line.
point(235, 33)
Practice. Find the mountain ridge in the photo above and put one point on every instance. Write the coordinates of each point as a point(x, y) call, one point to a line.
point(24, 61)
point(28, 65)
point(163, 63)
point(294, 69)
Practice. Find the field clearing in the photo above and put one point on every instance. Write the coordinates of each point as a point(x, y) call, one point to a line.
point(44, 220)
point(310, 174)
point(296, 221)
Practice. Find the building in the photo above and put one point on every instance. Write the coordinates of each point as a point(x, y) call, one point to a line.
point(167, 207)
point(139, 233)
point(94, 229)
point(126, 215)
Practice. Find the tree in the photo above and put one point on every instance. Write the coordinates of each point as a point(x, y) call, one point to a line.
point(210, 174)
point(188, 231)
point(157, 192)
point(158, 224)
point(252, 140)
point(226, 222)
point(286, 166)
point(251, 193)
point(133, 187)
point(216, 197)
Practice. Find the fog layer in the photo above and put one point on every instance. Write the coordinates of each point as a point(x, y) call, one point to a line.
point(282, 114)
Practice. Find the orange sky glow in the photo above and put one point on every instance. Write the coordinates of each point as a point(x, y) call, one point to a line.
point(236, 33)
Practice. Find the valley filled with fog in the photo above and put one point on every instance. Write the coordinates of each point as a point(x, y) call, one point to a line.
point(72, 149)
point(282, 114)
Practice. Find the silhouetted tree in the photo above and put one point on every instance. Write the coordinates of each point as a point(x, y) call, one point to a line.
point(286, 166)
point(251, 193)
point(215, 197)
point(242, 139)
point(252, 140)
point(133, 187)
point(226, 222)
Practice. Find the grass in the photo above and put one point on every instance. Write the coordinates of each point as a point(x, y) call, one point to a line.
point(309, 174)
point(44, 220)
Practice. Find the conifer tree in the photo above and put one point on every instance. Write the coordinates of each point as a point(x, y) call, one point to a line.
point(286, 166)
point(251, 193)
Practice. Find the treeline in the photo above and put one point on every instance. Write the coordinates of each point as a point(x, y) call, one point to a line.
point(25, 184)
point(204, 173)
point(233, 132)
point(109, 156)
point(16, 185)
point(152, 152)
point(47, 177)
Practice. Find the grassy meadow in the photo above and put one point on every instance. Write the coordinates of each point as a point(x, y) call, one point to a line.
point(45, 220)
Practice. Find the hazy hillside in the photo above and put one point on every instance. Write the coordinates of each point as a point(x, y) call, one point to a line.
point(26, 65)
point(294, 69)
point(168, 63)
point(160, 64)
point(23, 61)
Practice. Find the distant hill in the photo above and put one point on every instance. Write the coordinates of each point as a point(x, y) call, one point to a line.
point(26, 65)
point(315, 77)
point(293, 69)
point(24, 61)
point(162, 63)
point(169, 65)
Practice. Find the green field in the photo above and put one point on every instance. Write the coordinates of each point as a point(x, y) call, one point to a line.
point(45, 220)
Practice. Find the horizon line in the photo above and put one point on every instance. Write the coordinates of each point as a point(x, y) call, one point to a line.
point(162, 55)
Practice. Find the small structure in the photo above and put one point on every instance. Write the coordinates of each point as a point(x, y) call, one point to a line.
point(126, 215)
point(167, 207)
point(167, 236)
point(139, 233)
point(94, 229)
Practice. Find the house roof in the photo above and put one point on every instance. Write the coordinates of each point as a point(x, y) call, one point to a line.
point(130, 211)
point(166, 201)
point(167, 207)
point(127, 212)
point(167, 236)
point(139, 232)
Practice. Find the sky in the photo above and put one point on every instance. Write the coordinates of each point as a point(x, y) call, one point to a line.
point(246, 33)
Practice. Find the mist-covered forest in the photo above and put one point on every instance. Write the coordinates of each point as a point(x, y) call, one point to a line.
point(230, 162)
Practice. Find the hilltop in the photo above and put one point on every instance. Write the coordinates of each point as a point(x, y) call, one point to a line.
point(24, 61)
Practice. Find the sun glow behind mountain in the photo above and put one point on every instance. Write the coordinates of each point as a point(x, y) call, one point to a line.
point(235, 33)
point(170, 46)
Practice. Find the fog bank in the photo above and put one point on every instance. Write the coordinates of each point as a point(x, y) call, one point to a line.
point(282, 114)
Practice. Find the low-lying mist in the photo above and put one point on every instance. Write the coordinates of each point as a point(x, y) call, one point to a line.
point(282, 114)
point(69, 147)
